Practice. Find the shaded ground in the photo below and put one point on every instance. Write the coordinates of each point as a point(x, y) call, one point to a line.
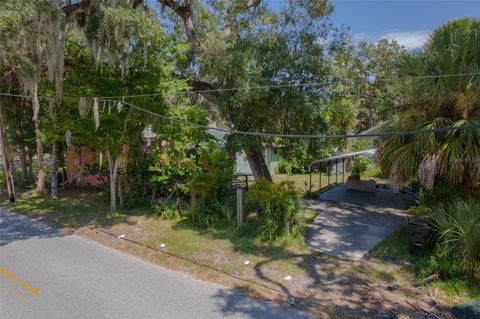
point(350, 223)
point(325, 286)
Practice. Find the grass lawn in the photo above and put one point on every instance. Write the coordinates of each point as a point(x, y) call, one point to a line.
point(302, 181)
point(326, 286)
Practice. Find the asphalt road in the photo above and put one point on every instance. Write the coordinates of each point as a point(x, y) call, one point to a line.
point(47, 274)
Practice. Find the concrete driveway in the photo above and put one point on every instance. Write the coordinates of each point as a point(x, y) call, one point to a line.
point(46, 274)
point(350, 223)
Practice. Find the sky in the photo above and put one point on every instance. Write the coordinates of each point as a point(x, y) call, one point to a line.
point(407, 21)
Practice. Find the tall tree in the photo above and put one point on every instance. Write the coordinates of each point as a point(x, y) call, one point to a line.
point(32, 37)
point(6, 160)
point(246, 43)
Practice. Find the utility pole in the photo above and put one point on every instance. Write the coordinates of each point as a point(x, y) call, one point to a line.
point(6, 160)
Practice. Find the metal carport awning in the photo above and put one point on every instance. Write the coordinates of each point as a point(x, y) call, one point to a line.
point(319, 164)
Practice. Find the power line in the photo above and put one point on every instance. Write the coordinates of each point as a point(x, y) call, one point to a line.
point(290, 136)
point(260, 87)
point(328, 83)
point(301, 136)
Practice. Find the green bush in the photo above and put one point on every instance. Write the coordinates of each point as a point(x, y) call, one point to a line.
point(420, 210)
point(209, 188)
point(138, 186)
point(296, 162)
point(373, 171)
point(167, 208)
point(360, 165)
point(165, 175)
point(457, 226)
point(439, 261)
point(281, 209)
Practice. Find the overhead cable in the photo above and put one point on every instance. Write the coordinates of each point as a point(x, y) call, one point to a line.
point(303, 136)
point(261, 87)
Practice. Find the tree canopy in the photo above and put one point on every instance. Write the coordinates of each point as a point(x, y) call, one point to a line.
point(242, 65)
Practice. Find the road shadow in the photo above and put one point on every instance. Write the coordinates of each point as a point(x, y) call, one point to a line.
point(14, 227)
point(232, 303)
point(74, 208)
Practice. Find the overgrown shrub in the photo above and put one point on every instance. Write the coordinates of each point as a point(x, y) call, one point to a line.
point(209, 188)
point(168, 208)
point(281, 209)
point(138, 186)
point(443, 193)
point(457, 226)
point(172, 170)
point(361, 165)
point(165, 175)
point(293, 166)
point(373, 171)
point(440, 262)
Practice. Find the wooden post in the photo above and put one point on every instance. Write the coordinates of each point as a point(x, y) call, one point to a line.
point(239, 207)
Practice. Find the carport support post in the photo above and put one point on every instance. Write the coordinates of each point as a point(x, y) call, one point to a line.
point(336, 171)
point(239, 207)
point(328, 173)
point(320, 177)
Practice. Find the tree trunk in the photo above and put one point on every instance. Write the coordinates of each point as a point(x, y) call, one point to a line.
point(13, 169)
point(41, 164)
point(54, 183)
point(23, 161)
point(120, 191)
point(6, 162)
point(113, 168)
point(257, 163)
point(30, 165)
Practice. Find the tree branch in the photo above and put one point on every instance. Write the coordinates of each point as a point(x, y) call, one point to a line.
point(232, 15)
point(77, 10)
point(185, 12)
point(197, 85)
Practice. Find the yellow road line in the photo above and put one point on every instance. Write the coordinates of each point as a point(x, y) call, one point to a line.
point(25, 284)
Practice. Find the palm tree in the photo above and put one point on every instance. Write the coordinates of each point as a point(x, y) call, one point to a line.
point(452, 157)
